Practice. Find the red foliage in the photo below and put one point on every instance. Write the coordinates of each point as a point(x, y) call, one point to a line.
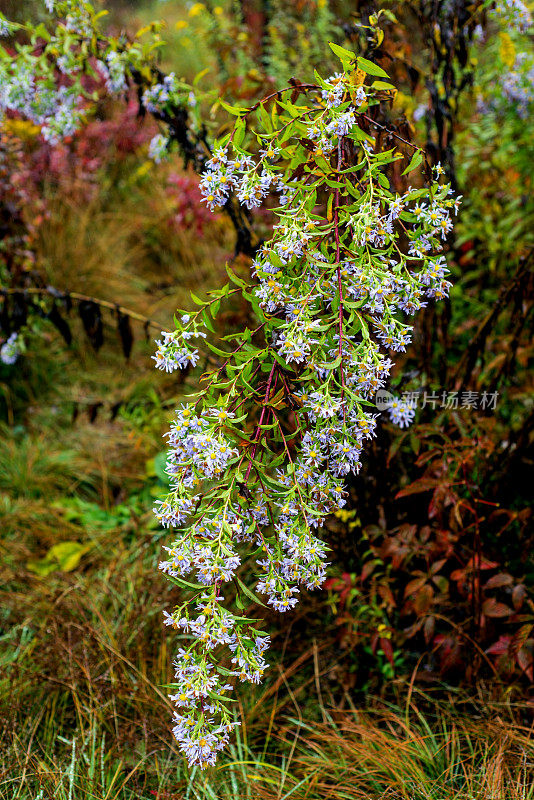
point(447, 583)
point(188, 212)
point(73, 166)
point(452, 569)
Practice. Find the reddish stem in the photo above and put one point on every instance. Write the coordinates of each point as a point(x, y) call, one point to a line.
point(260, 423)
point(280, 92)
point(340, 287)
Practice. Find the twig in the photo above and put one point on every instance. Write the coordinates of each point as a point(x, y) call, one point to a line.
point(83, 297)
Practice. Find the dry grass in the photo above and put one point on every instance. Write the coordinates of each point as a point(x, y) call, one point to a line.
point(122, 247)
point(414, 757)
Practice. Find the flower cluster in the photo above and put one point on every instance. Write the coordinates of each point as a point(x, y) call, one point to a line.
point(158, 148)
point(10, 350)
point(7, 28)
point(251, 182)
point(401, 411)
point(79, 21)
point(36, 96)
point(509, 91)
point(50, 87)
point(515, 13)
point(156, 97)
point(170, 92)
point(65, 6)
point(260, 456)
point(113, 72)
point(29, 83)
point(162, 97)
point(518, 84)
point(174, 350)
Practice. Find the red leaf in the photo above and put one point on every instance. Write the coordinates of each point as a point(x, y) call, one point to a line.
point(387, 649)
point(333, 583)
point(482, 563)
point(367, 569)
point(518, 595)
point(387, 595)
point(491, 608)
point(423, 600)
point(500, 646)
point(442, 583)
point(437, 566)
point(421, 485)
point(451, 655)
point(525, 661)
point(414, 586)
point(502, 579)
point(520, 636)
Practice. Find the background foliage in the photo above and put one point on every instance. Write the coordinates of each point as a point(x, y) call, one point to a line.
point(426, 623)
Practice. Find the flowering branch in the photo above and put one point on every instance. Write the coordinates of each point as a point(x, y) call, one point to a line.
point(347, 260)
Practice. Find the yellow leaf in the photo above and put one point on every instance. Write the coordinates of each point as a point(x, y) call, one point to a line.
point(63, 557)
point(357, 78)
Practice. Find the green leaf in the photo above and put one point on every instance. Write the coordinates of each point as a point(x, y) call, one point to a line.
point(346, 56)
point(41, 32)
point(217, 350)
point(196, 299)
point(249, 593)
point(239, 132)
point(222, 698)
point(293, 110)
point(265, 118)
point(185, 584)
point(359, 135)
point(383, 85)
point(382, 180)
point(214, 308)
point(371, 69)
point(414, 161)
point(207, 321)
point(234, 278)
point(198, 77)
point(237, 111)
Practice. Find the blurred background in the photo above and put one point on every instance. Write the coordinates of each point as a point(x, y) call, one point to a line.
point(410, 675)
